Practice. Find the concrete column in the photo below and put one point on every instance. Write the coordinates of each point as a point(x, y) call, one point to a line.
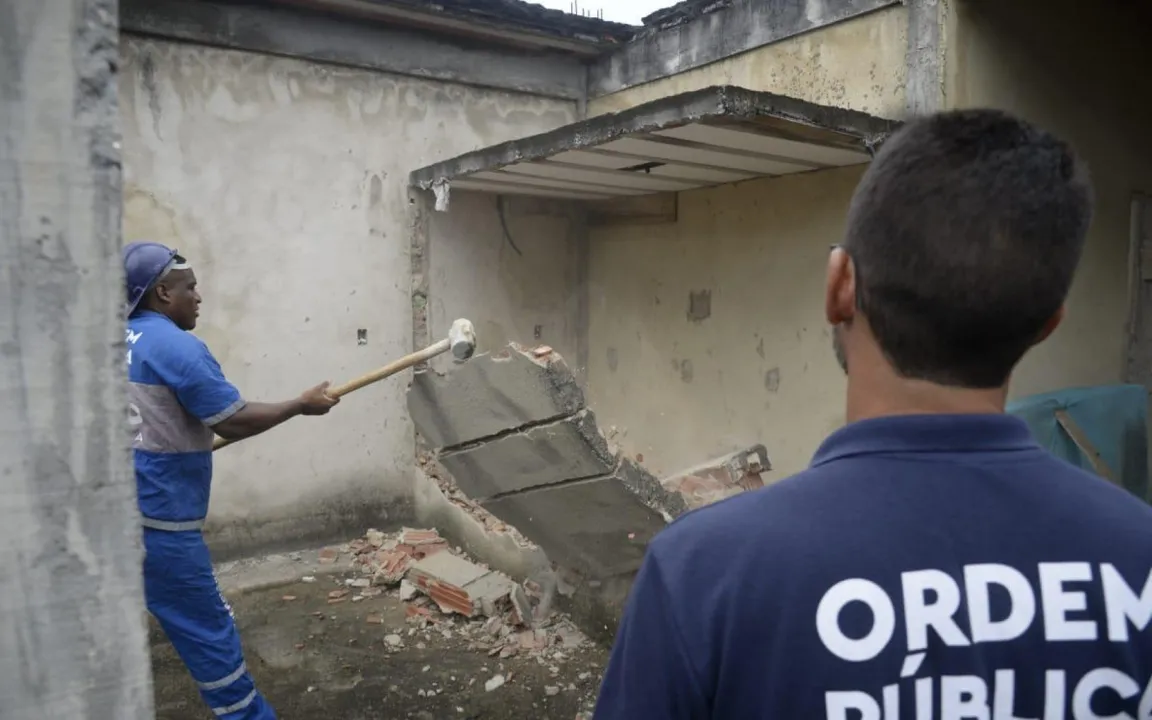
point(924, 89)
point(73, 639)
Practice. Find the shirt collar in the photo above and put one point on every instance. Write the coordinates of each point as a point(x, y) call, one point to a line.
point(150, 314)
point(927, 434)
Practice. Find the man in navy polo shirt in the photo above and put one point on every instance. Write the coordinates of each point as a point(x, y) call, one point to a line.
point(179, 400)
point(933, 563)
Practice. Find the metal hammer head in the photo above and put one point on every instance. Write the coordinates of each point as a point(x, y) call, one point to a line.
point(462, 338)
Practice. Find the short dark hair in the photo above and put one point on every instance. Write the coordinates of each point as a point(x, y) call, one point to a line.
point(965, 233)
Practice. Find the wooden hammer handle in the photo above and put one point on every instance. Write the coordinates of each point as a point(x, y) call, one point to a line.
point(373, 377)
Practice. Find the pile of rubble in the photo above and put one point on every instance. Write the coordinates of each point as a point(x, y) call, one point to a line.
point(438, 583)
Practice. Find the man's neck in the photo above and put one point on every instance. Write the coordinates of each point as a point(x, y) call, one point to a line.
point(875, 390)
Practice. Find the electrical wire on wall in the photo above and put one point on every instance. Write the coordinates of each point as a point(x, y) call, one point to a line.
point(504, 224)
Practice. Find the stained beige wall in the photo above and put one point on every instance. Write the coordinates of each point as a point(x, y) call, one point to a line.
point(857, 64)
point(285, 184)
point(521, 286)
point(760, 368)
point(1083, 75)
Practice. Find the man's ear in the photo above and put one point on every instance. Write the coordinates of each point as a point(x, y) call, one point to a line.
point(840, 288)
point(1051, 325)
point(163, 293)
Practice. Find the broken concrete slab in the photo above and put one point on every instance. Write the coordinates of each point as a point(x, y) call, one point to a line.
point(491, 394)
point(569, 449)
point(720, 478)
point(596, 527)
point(459, 586)
point(554, 478)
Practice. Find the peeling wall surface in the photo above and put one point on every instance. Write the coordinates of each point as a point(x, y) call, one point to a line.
point(708, 334)
point(1069, 71)
point(857, 64)
point(73, 637)
point(284, 183)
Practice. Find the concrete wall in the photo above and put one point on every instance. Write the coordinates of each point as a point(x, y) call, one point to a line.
point(73, 638)
point(759, 367)
point(523, 286)
point(285, 182)
point(858, 64)
point(1084, 76)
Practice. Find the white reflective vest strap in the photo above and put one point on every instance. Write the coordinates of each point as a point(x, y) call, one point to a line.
point(236, 707)
point(227, 680)
point(170, 526)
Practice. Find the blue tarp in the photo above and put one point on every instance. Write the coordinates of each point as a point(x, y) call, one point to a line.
point(1114, 418)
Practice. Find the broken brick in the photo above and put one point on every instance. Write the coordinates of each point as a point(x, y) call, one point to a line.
point(337, 594)
point(374, 620)
point(329, 556)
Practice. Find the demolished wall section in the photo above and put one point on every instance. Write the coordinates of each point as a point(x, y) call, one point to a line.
point(514, 441)
point(515, 433)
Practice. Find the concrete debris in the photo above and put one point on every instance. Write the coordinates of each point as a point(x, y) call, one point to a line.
point(457, 585)
point(495, 683)
point(448, 594)
point(721, 478)
point(433, 470)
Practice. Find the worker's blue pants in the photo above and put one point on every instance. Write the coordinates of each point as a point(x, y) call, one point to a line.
point(182, 594)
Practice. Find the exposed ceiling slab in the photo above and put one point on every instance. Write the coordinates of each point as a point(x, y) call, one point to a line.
point(694, 140)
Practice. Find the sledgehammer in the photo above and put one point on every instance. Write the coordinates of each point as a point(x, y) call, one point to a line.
point(461, 341)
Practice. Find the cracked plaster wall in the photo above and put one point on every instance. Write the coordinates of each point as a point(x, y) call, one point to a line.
point(284, 182)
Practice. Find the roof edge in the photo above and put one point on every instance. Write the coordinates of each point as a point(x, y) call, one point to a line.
point(717, 101)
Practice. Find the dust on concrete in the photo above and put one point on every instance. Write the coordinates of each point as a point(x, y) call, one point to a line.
point(313, 659)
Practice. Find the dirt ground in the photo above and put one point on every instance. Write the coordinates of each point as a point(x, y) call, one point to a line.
point(314, 660)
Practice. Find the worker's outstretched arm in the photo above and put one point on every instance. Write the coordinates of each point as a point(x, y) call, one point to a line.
point(254, 418)
point(189, 369)
point(651, 673)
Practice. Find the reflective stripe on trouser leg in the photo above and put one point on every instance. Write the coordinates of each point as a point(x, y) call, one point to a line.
point(182, 594)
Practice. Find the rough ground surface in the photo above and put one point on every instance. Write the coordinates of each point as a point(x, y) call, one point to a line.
point(318, 656)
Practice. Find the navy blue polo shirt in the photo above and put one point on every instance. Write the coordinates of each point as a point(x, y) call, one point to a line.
point(923, 568)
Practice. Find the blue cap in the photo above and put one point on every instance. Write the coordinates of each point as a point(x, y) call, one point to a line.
point(144, 263)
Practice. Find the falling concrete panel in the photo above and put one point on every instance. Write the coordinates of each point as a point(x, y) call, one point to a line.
point(568, 449)
point(645, 488)
point(596, 527)
point(492, 394)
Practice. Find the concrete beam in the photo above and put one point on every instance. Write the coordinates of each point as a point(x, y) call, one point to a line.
point(924, 89)
point(730, 29)
point(803, 120)
point(73, 638)
point(324, 38)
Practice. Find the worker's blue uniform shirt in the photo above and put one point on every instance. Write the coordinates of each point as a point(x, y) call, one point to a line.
point(923, 568)
point(177, 393)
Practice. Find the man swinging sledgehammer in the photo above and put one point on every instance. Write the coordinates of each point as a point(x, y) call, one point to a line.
point(179, 399)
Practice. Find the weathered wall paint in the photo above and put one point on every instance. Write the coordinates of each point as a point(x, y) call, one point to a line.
point(1055, 64)
point(680, 386)
point(682, 382)
point(722, 29)
point(530, 297)
point(73, 641)
point(284, 182)
point(858, 64)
